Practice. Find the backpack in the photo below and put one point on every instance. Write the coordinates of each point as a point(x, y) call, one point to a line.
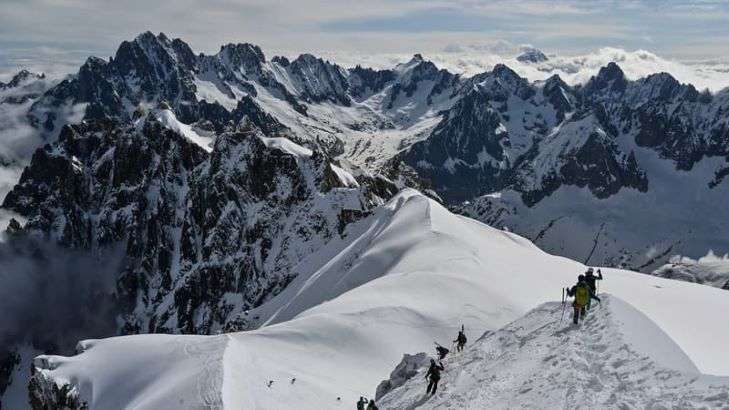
point(582, 294)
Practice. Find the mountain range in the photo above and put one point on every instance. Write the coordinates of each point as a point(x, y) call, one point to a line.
point(221, 175)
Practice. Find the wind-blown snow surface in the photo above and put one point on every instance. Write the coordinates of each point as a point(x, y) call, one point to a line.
point(617, 358)
point(407, 275)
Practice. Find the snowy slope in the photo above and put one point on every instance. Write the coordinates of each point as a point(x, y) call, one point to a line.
point(169, 120)
point(617, 358)
point(409, 274)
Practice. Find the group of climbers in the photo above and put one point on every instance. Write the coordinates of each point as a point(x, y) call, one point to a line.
point(362, 402)
point(433, 373)
point(584, 292)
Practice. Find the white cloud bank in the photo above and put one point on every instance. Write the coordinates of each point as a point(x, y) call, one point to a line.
point(576, 69)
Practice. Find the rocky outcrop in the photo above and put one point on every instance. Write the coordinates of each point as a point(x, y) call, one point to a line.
point(404, 371)
point(46, 393)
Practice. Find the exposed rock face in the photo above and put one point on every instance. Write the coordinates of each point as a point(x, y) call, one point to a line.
point(658, 112)
point(569, 157)
point(45, 393)
point(501, 134)
point(404, 371)
point(419, 74)
point(198, 227)
point(364, 82)
point(453, 158)
point(319, 80)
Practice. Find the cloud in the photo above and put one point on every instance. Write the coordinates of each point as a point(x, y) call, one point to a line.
point(9, 176)
point(471, 59)
point(98, 26)
point(18, 140)
point(55, 62)
point(53, 297)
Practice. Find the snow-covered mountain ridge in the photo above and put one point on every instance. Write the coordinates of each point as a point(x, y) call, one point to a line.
point(617, 358)
point(409, 274)
point(464, 137)
point(229, 178)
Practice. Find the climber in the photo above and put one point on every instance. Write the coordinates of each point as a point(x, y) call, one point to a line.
point(590, 278)
point(361, 403)
point(460, 339)
point(442, 351)
point(433, 375)
point(582, 293)
point(372, 405)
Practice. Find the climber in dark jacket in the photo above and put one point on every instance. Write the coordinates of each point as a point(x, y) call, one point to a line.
point(460, 340)
point(590, 279)
point(434, 376)
point(442, 351)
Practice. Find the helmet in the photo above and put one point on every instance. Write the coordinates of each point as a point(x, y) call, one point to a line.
point(589, 270)
point(581, 278)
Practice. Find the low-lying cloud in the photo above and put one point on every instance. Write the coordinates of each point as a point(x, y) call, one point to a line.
point(53, 297)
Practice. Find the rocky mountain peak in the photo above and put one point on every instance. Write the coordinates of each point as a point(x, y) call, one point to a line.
point(21, 77)
point(611, 72)
point(242, 54)
point(559, 95)
point(281, 60)
point(411, 64)
point(501, 82)
point(555, 81)
point(503, 71)
point(609, 79)
point(664, 86)
point(93, 64)
point(319, 80)
point(532, 55)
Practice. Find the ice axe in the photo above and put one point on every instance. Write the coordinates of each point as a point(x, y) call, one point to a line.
point(564, 305)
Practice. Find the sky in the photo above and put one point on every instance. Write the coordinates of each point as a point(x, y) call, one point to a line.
point(63, 32)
